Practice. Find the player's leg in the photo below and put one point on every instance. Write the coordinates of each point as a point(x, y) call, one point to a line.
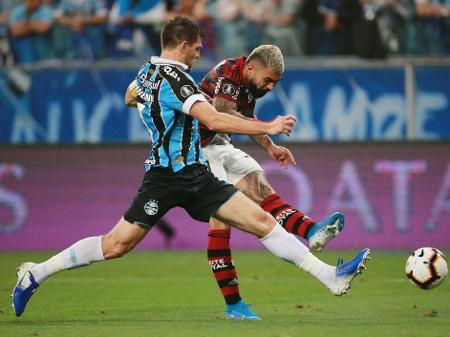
point(143, 213)
point(256, 186)
point(120, 240)
point(240, 212)
point(246, 174)
point(219, 250)
point(223, 268)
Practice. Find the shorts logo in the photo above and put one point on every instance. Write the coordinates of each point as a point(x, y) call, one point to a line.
point(186, 91)
point(228, 89)
point(151, 207)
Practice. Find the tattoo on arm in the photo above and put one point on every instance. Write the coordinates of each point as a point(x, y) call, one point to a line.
point(262, 140)
point(223, 105)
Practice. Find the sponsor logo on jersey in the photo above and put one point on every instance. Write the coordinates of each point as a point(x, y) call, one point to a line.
point(235, 96)
point(250, 97)
point(179, 159)
point(149, 84)
point(171, 72)
point(186, 90)
point(218, 83)
point(151, 207)
point(147, 97)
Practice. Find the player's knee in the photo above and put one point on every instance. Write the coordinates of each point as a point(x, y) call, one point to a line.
point(215, 224)
point(114, 248)
point(119, 250)
point(264, 223)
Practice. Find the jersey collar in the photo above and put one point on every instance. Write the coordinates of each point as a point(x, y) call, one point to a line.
point(160, 60)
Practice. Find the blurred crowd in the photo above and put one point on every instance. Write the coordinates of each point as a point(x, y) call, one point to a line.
point(41, 30)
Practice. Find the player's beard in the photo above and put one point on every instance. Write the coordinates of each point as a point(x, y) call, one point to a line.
point(257, 92)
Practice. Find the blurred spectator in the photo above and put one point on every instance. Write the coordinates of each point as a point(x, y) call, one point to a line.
point(80, 29)
point(432, 26)
point(182, 7)
point(29, 24)
point(358, 32)
point(394, 17)
point(253, 12)
point(281, 28)
point(196, 10)
point(5, 8)
point(229, 27)
point(5, 51)
point(137, 25)
point(321, 23)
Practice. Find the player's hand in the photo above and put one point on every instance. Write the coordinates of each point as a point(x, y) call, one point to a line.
point(282, 155)
point(281, 125)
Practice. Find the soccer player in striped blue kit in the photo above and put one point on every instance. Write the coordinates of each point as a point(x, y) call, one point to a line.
point(171, 107)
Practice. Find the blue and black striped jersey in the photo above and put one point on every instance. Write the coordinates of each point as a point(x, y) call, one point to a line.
point(165, 95)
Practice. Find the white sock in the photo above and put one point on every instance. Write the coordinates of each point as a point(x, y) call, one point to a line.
point(320, 270)
point(79, 254)
point(287, 247)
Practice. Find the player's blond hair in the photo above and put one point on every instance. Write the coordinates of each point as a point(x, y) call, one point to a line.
point(269, 56)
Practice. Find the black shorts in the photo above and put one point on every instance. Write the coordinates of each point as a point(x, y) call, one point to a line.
point(194, 188)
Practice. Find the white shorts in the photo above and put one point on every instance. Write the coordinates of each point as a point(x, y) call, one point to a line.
point(229, 163)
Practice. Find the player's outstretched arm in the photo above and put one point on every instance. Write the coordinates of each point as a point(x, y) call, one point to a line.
point(222, 122)
point(278, 153)
point(229, 106)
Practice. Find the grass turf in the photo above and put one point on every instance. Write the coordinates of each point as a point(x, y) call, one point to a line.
point(174, 294)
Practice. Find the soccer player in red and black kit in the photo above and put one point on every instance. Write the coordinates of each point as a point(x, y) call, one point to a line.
point(233, 86)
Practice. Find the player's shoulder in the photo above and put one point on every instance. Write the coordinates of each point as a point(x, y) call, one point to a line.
point(230, 69)
point(174, 75)
point(228, 64)
point(18, 12)
point(177, 81)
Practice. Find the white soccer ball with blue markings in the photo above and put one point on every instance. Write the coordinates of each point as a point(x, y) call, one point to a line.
point(426, 267)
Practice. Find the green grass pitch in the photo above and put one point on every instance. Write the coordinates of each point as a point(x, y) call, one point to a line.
point(174, 294)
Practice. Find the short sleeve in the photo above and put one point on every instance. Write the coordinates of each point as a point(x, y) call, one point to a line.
point(100, 8)
point(16, 15)
point(179, 89)
point(227, 89)
point(44, 14)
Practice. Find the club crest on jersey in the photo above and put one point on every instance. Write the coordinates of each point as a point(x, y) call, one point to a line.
point(151, 207)
point(186, 90)
point(228, 89)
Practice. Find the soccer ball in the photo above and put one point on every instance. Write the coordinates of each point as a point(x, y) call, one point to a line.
point(426, 267)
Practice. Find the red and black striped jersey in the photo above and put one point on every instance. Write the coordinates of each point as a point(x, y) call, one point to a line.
point(226, 80)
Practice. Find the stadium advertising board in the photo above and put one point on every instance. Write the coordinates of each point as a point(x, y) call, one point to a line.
point(393, 195)
point(86, 106)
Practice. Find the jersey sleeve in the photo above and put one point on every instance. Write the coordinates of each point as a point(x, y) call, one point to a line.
point(226, 88)
point(138, 86)
point(179, 89)
point(16, 15)
point(44, 14)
